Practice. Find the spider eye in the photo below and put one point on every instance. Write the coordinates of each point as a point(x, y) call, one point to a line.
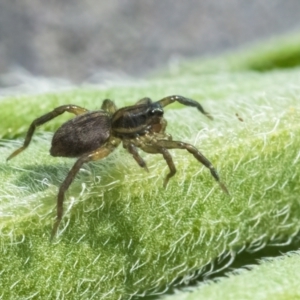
point(155, 110)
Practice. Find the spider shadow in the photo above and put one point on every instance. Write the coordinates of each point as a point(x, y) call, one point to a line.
point(104, 206)
point(101, 209)
point(38, 178)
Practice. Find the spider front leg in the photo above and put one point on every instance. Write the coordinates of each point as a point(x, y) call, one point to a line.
point(168, 158)
point(77, 110)
point(131, 148)
point(153, 149)
point(197, 154)
point(95, 155)
point(185, 101)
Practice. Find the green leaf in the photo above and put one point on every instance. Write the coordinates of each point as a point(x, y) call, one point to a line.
point(276, 279)
point(122, 233)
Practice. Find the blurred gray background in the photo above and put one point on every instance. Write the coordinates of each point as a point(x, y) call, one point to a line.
point(84, 40)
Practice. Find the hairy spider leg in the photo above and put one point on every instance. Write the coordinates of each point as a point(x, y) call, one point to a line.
point(77, 110)
point(145, 100)
point(168, 158)
point(109, 106)
point(166, 155)
point(131, 148)
point(161, 144)
point(95, 155)
point(185, 101)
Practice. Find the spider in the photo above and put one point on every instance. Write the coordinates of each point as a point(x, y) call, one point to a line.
point(93, 135)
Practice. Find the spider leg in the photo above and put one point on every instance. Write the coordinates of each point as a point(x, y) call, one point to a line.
point(131, 148)
point(166, 155)
point(168, 158)
point(197, 154)
point(145, 100)
point(77, 110)
point(95, 155)
point(185, 101)
point(164, 124)
point(109, 106)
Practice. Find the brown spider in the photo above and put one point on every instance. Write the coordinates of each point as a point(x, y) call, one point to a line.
point(93, 135)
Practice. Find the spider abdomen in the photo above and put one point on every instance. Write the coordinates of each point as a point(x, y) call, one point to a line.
point(81, 135)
